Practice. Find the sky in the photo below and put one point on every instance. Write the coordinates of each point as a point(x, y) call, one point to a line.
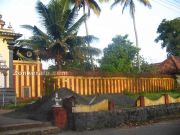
point(109, 24)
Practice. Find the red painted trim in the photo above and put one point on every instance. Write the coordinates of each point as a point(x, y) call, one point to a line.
point(41, 80)
point(88, 87)
point(30, 79)
point(25, 76)
point(83, 87)
point(75, 86)
point(142, 102)
point(95, 83)
point(36, 81)
point(19, 76)
point(79, 86)
point(70, 83)
point(92, 91)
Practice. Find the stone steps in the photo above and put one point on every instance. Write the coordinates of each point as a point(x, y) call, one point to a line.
point(29, 129)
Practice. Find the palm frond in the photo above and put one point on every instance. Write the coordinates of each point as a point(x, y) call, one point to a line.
point(75, 27)
point(126, 4)
point(75, 41)
point(92, 4)
point(90, 38)
point(43, 13)
point(146, 3)
point(90, 50)
point(35, 30)
point(132, 8)
point(66, 4)
point(56, 20)
point(24, 43)
point(72, 15)
point(115, 3)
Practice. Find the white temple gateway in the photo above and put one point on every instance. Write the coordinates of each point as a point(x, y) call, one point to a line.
point(14, 73)
point(7, 40)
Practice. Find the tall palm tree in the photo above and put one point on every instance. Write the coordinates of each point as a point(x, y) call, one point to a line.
point(61, 31)
point(131, 5)
point(60, 26)
point(91, 5)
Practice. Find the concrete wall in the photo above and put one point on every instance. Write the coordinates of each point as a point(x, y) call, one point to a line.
point(164, 99)
point(104, 119)
point(28, 74)
point(91, 85)
point(101, 106)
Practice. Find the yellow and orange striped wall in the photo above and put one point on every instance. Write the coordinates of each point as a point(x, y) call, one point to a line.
point(27, 76)
point(90, 85)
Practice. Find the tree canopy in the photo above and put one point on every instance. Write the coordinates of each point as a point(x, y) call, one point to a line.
point(169, 35)
point(119, 55)
point(60, 40)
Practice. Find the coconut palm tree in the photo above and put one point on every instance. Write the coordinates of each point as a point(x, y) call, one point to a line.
point(60, 26)
point(131, 5)
point(61, 29)
point(91, 5)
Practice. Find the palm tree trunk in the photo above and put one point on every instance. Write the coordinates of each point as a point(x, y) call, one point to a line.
point(87, 34)
point(58, 61)
point(137, 43)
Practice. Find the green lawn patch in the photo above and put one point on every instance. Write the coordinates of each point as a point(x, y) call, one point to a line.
point(18, 105)
point(154, 95)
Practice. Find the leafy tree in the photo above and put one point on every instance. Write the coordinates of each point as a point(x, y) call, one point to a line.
point(169, 34)
point(145, 67)
point(60, 40)
point(131, 5)
point(119, 55)
point(48, 85)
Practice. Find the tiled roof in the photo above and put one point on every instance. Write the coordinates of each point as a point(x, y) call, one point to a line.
point(170, 66)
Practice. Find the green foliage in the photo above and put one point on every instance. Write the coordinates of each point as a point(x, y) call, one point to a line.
point(169, 35)
point(48, 85)
point(78, 66)
point(145, 67)
point(119, 55)
point(153, 95)
point(20, 104)
point(90, 4)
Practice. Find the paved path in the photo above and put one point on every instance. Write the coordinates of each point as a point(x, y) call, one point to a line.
point(162, 128)
point(4, 120)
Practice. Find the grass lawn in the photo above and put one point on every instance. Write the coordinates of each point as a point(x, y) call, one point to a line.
point(134, 96)
point(154, 95)
point(19, 104)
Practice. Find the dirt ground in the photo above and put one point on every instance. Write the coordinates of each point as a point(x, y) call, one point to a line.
point(42, 108)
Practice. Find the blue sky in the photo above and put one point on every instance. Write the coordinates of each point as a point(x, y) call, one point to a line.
point(107, 25)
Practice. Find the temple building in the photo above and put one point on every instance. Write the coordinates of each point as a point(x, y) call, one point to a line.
point(19, 70)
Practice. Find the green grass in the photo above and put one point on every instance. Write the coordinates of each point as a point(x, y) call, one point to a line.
point(154, 95)
point(20, 104)
point(13, 106)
